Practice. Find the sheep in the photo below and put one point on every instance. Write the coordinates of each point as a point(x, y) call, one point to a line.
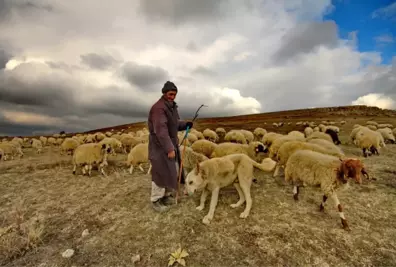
point(296, 134)
point(221, 132)
point(322, 127)
point(252, 150)
point(197, 133)
point(1, 154)
point(248, 135)
point(137, 156)
point(69, 145)
point(129, 142)
point(259, 133)
point(51, 141)
point(334, 128)
point(354, 132)
point(210, 135)
point(43, 140)
point(316, 129)
point(288, 148)
point(330, 173)
point(320, 135)
point(114, 143)
point(235, 136)
point(383, 125)
point(273, 149)
point(12, 149)
point(372, 127)
point(99, 136)
point(270, 137)
point(36, 144)
point(191, 158)
point(192, 138)
point(204, 147)
point(108, 134)
point(369, 139)
point(308, 131)
point(387, 135)
point(342, 122)
point(334, 136)
point(372, 123)
point(89, 154)
point(394, 132)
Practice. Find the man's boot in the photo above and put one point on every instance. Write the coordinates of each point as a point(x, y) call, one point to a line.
point(159, 206)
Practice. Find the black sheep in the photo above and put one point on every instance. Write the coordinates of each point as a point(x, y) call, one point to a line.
point(334, 136)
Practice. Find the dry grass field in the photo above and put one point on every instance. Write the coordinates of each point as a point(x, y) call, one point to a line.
point(44, 210)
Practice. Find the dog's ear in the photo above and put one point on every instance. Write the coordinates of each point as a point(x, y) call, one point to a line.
point(342, 171)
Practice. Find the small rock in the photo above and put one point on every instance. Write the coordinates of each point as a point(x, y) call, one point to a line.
point(136, 258)
point(368, 205)
point(68, 253)
point(85, 233)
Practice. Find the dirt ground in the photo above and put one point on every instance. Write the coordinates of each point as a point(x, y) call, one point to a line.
point(44, 210)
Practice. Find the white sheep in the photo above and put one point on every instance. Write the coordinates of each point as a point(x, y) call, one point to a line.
point(137, 156)
point(270, 137)
point(69, 145)
point(43, 140)
point(249, 136)
point(308, 131)
point(259, 133)
point(1, 154)
point(273, 149)
point(372, 127)
point(210, 135)
point(297, 134)
point(113, 142)
point(87, 155)
point(252, 149)
point(387, 134)
point(191, 158)
point(320, 135)
point(394, 132)
point(204, 147)
point(99, 136)
point(221, 132)
point(370, 140)
point(330, 146)
point(36, 144)
point(288, 148)
point(128, 142)
point(235, 136)
point(197, 133)
point(372, 123)
point(330, 173)
point(11, 149)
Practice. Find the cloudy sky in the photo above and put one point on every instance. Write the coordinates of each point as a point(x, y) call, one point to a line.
point(79, 65)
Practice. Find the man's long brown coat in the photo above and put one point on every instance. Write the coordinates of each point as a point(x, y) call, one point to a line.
point(164, 124)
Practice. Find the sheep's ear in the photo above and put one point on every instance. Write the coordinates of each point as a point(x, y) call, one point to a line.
point(103, 146)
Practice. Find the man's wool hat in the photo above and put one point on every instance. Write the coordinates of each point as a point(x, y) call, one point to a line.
point(169, 86)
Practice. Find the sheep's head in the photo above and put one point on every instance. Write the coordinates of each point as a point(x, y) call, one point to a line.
point(106, 148)
point(334, 136)
point(258, 147)
point(196, 179)
point(352, 168)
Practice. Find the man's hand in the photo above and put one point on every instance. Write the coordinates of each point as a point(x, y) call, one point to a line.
point(171, 154)
point(189, 124)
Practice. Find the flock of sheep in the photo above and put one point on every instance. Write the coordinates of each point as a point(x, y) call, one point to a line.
point(308, 157)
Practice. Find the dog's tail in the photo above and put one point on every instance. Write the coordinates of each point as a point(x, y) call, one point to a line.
point(267, 165)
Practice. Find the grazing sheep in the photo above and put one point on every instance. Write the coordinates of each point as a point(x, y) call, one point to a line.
point(330, 173)
point(191, 158)
point(372, 123)
point(322, 128)
point(210, 135)
point(89, 139)
point(297, 134)
point(90, 154)
point(43, 140)
point(316, 129)
point(334, 128)
point(288, 148)
point(270, 137)
point(320, 135)
point(128, 142)
point(259, 133)
point(372, 127)
point(69, 145)
point(36, 144)
point(387, 135)
point(221, 132)
point(252, 150)
point(197, 133)
point(235, 136)
point(99, 136)
point(192, 138)
point(334, 136)
point(204, 147)
point(11, 149)
point(1, 154)
point(137, 156)
point(367, 139)
point(308, 131)
point(273, 149)
point(249, 136)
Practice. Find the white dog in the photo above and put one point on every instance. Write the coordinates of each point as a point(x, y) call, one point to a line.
point(215, 173)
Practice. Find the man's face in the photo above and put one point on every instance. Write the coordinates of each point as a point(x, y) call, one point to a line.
point(170, 96)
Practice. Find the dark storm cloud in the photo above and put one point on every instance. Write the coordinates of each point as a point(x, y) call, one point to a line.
point(96, 61)
point(147, 78)
point(4, 58)
point(176, 12)
point(305, 38)
point(22, 8)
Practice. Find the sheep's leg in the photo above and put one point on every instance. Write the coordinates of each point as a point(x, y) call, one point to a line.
point(131, 169)
point(321, 207)
point(296, 190)
point(212, 207)
point(241, 196)
point(89, 169)
point(340, 211)
point(140, 167)
point(83, 169)
point(364, 153)
point(149, 169)
point(204, 195)
point(74, 168)
point(101, 167)
point(245, 186)
point(276, 172)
